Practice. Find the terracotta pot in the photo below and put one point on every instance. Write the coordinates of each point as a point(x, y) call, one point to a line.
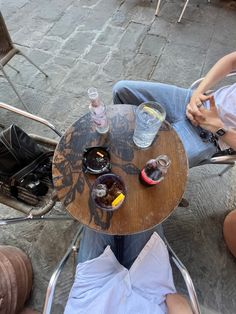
point(229, 230)
point(15, 279)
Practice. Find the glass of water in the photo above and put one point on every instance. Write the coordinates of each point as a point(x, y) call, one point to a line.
point(149, 117)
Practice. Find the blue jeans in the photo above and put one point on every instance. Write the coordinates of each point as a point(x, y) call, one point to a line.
point(126, 248)
point(174, 99)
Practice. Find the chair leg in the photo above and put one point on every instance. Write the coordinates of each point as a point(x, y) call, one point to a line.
point(158, 7)
point(9, 81)
point(30, 61)
point(181, 15)
point(226, 169)
point(13, 68)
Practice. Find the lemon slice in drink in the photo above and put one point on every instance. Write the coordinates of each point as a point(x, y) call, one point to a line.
point(153, 113)
point(118, 200)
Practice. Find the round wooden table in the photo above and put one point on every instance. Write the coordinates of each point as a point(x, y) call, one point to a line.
point(144, 207)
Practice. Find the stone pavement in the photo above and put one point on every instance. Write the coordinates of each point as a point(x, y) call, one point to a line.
point(83, 43)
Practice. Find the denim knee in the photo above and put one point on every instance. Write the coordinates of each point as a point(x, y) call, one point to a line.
point(119, 90)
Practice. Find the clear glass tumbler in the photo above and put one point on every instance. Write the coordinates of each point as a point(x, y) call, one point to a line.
point(149, 117)
point(108, 192)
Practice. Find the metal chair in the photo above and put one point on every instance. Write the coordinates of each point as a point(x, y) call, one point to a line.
point(181, 14)
point(48, 202)
point(73, 249)
point(7, 52)
point(219, 158)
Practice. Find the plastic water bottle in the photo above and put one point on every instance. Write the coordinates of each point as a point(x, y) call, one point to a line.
point(98, 111)
point(155, 170)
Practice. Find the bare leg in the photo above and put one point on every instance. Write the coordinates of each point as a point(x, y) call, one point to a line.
point(230, 231)
point(177, 304)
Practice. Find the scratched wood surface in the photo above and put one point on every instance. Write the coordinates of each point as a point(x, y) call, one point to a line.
point(144, 207)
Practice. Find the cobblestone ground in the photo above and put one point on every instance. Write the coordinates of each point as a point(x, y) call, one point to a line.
point(83, 43)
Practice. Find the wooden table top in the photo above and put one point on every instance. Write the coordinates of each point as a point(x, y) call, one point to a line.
point(144, 207)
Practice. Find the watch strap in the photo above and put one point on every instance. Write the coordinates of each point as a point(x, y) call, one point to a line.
point(220, 132)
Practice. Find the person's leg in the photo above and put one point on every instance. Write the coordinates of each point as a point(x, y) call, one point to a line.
point(133, 245)
point(229, 230)
point(174, 99)
point(177, 304)
point(196, 149)
point(93, 244)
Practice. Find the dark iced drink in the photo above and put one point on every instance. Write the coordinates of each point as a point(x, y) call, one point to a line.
point(108, 192)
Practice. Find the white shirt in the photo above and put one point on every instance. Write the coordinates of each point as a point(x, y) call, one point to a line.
point(104, 286)
point(225, 99)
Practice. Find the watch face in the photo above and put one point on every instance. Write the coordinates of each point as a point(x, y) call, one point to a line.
point(220, 132)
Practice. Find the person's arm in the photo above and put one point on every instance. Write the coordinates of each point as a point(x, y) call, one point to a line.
point(177, 304)
point(223, 67)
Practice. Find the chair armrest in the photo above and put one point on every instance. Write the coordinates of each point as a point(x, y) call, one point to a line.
point(187, 279)
point(10, 221)
point(53, 280)
point(25, 208)
point(45, 141)
point(30, 116)
point(196, 83)
point(226, 159)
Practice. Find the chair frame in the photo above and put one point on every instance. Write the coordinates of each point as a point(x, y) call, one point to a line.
point(74, 248)
point(229, 160)
point(182, 12)
point(11, 51)
point(32, 214)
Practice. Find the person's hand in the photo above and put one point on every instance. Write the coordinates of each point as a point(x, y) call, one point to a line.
point(193, 110)
point(209, 118)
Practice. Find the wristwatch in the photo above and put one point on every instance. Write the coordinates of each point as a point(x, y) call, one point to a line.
point(220, 132)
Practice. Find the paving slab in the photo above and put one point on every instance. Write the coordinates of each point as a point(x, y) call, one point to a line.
point(84, 43)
